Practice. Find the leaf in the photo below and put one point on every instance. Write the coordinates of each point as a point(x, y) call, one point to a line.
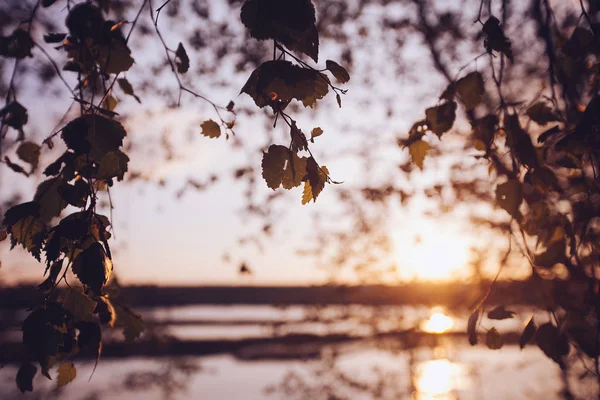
point(30, 153)
point(470, 89)
point(554, 344)
point(66, 374)
point(47, 3)
point(283, 167)
point(93, 135)
point(15, 167)
point(541, 113)
point(519, 141)
point(49, 283)
point(132, 323)
point(528, 333)
point(509, 196)
point(418, 151)
point(472, 326)
point(441, 118)
point(316, 132)
point(14, 115)
point(338, 98)
point(93, 267)
point(115, 57)
point(3, 235)
point(210, 129)
point(182, 60)
point(25, 228)
point(299, 141)
point(317, 177)
point(500, 313)
point(339, 72)
point(75, 195)
point(279, 82)
point(548, 133)
point(495, 39)
point(54, 37)
point(49, 334)
point(554, 253)
point(113, 165)
point(127, 88)
point(25, 376)
point(17, 45)
point(79, 304)
point(493, 339)
point(50, 201)
point(291, 23)
point(580, 43)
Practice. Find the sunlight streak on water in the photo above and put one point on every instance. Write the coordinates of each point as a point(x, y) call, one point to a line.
point(439, 380)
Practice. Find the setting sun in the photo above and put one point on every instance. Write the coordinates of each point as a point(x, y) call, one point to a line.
point(433, 253)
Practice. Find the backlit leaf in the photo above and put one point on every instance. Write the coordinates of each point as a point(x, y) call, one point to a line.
point(339, 72)
point(210, 129)
point(66, 373)
point(25, 376)
point(470, 89)
point(132, 323)
point(93, 267)
point(441, 118)
point(78, 303)
point(299, 141)
point(528, 333)
point(25, 227)
point(316, 132)
point(493, 339)
point(552, 342)
point(317, 177)
point(49, 198)
point(418, 151)
point(93, 135)
point(113, 165)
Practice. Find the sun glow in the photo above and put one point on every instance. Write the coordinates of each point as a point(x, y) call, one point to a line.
point(438, 322)
point(432, 253)
point(439, 379)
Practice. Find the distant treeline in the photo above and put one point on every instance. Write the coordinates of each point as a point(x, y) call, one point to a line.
point(451, 295)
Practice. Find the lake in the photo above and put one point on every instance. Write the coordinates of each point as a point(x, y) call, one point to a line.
point(368, 361)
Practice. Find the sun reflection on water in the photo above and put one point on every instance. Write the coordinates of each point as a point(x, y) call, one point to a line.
point(439, 380)
point(438, 322)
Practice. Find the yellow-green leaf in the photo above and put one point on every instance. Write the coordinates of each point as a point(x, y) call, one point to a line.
point(79, 304)
point(418, 150)
point(210, 129)
point(470, 90)
point(66, 374)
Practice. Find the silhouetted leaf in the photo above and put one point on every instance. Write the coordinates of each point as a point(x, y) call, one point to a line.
point(15, 167)
point(93, 267)
point(54, 37)
point(418, 151)
point(30, 153)
point(493, 339)
point(127, 88)
point(495, 38)
point(50, 282)
point(66, 373)
point(441, 118)
point(25, 376)
point(554, 253)
point(580, 43)
point(548, 133)
point(470, 90)
point(509, 196)
point(48, 3)
point(278, 82)
point(541, 113)
point(75, 195)
point(113, 165)
point(519, 141)
point(210, 129)
point(17, 45)
point(339, 72)
point(14, 115)
point(182, 61)
point(291, 23)
point(552, 342)
point(94, 135)
point(472, 326)
point(500, 313)
point(299, 141)
point(316, 132)
point(528, 333)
